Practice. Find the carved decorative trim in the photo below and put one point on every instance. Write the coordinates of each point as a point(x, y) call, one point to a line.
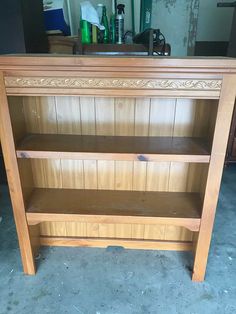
point(110, 83)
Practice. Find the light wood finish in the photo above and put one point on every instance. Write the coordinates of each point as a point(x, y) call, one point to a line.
point(61, 44)
point(100, 116)
point(125, 243)
point(181, 149)
point(34, 231)
point(182, 209)
point(130, 98)
point(7, 142)
point(223, 121)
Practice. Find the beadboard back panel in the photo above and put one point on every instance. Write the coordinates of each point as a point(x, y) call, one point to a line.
point(120, 117)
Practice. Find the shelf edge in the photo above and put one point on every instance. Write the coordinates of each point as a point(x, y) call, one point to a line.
point(27, 154)
point(193, 224)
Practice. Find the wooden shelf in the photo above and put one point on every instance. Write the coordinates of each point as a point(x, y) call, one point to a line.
point(182, 149)
point(99, 206)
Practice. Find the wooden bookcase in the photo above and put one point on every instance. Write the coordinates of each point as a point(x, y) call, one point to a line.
point(115, 151)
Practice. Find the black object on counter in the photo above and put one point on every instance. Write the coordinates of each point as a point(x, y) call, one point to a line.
point(151, 38)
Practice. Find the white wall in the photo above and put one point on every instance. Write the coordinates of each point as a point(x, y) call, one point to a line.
point(214, 24)
point(177, 19)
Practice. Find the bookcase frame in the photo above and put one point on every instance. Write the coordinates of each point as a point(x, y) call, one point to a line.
point(37, 76)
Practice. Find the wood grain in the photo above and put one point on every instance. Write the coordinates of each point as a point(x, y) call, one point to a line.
point(100, 174)
point(181, 209)
point(128, 97)
point(7, 142)
point(222, 127)
point(114, 148)
point(125, 243)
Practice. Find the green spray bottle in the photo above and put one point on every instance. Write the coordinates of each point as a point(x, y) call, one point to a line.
point(113, 23)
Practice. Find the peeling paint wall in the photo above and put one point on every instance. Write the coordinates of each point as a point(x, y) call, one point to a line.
point(177, 19)
point(185, 21)
point(214, 24)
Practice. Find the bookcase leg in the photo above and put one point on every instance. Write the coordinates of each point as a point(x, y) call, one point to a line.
point(201, 256)
point(27, 253)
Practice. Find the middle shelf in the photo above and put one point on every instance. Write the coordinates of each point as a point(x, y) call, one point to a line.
point(126, 148)
point(107, 206)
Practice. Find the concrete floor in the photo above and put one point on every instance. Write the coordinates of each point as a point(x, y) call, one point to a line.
point(117, 281)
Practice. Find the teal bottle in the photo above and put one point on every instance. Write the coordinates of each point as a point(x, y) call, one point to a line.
point(106, 25)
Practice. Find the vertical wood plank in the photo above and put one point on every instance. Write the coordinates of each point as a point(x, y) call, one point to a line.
point(68, 115)
point(195, 177)
point(105, 115)
point(162, 117)
point(88, 117)
point(142, 116)
point(16, 110)
point(178, 177)
point(47, 173)
point(88, 122)
point(184, 117)
point(203, 114)
point(76, 229)
point(106, 175)
point(90, 174)
point(105, 125)
point(124, 126)
point(92, 230)
point(124, 175)
point(123, 231)
point(173, 232)
point(224, 116)
point(137, 231)
point(158, 176)
point(7, 142)
point(106, 231)
point(154, 232)
point(26, 178)
point(124, 116)
point(30, 106)
point(72, 174)
point(139, 176)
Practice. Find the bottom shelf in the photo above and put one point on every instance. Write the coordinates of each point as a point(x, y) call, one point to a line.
point(103, 206)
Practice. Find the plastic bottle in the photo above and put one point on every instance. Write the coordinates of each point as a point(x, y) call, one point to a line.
point(120, 24)
point(94, 34)
point(85, 27)
point(105, 24)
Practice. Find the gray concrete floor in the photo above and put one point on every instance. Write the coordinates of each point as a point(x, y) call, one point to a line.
point(117, 281)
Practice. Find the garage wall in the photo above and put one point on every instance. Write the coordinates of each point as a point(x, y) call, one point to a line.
point(177, 19)
point(214, 24)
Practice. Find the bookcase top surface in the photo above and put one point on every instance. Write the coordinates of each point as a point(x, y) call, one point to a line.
point(101, 63)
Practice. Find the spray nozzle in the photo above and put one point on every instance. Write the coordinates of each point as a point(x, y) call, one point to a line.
point(121, 8)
